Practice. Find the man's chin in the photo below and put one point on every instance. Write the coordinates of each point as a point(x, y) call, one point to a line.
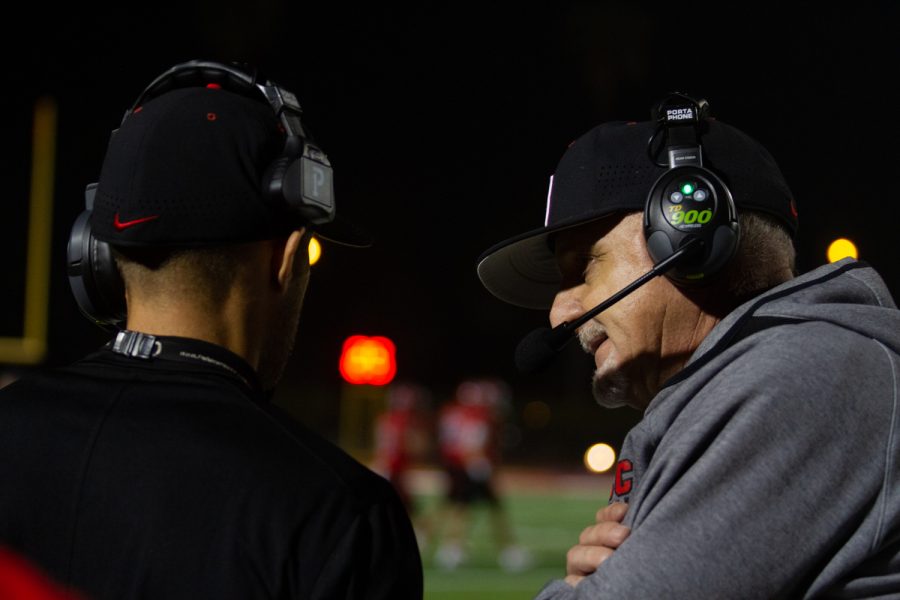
point(611, 390)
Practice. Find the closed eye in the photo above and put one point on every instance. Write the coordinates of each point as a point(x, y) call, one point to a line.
point(590, 261)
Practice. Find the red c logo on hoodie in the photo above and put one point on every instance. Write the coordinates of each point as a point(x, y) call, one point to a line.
point(623, 485)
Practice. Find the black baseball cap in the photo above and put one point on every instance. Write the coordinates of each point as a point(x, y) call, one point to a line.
point(609, 170)
point(186, 169)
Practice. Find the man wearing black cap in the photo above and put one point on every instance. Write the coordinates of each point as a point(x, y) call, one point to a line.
point(157, 467)
point(764, 465)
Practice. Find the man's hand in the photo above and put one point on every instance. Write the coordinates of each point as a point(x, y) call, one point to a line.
point(597, 543)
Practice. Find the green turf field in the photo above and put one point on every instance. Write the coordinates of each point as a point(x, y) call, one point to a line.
point(546, 524)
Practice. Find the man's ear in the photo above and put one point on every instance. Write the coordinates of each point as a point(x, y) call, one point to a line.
point(285, 256)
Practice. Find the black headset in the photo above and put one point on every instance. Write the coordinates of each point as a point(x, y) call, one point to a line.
point(300, 179)
point(690, 222)
point(688, 202)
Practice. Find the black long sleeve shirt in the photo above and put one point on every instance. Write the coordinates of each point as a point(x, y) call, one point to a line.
point(154, 478)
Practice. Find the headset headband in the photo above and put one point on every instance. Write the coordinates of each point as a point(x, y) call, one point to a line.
point(204, 73)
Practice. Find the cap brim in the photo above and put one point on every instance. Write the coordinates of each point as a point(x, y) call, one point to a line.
point(523, 270)
point(341, 232)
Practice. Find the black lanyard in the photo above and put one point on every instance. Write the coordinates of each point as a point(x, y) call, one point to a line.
point(143, 346)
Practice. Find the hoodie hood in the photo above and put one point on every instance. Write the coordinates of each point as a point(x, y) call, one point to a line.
point(848, 293)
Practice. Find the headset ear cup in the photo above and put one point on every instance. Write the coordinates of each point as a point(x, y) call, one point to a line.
point(93, 276)
point(108, 281)
point(293, 182)
point(720, 232)
point(273, 181)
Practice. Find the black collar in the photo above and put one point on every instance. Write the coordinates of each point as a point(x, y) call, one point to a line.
point(142, 346)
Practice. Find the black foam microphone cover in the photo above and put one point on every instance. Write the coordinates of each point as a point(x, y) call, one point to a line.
point(539, 348)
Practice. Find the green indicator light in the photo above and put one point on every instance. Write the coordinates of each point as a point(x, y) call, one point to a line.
point(687, 189)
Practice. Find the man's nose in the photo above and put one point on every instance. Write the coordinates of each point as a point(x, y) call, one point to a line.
point(566, 306)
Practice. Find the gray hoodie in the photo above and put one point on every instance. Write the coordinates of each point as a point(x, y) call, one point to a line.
point(768, 467)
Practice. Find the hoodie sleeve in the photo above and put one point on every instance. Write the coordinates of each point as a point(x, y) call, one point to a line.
point(777, 479)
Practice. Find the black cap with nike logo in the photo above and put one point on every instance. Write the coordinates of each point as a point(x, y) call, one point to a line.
point(187, 168)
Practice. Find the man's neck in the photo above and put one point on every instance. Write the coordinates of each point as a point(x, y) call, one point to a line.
point(227, 327)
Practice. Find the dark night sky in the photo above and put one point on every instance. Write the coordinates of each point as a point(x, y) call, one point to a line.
point(444, 124)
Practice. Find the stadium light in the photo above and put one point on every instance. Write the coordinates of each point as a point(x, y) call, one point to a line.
point(840, 249)
point(599, 458)
point(368, 360)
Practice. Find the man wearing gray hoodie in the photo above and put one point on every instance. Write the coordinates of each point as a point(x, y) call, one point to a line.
point(764, 465)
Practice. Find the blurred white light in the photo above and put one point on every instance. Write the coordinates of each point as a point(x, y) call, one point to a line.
point(599, 458)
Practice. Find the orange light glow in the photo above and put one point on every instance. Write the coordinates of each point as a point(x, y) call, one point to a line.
point(840, 249)
point(315, 251)
point(368, 360)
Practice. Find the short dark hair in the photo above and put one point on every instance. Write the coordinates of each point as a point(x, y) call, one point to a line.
point(208, 270)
